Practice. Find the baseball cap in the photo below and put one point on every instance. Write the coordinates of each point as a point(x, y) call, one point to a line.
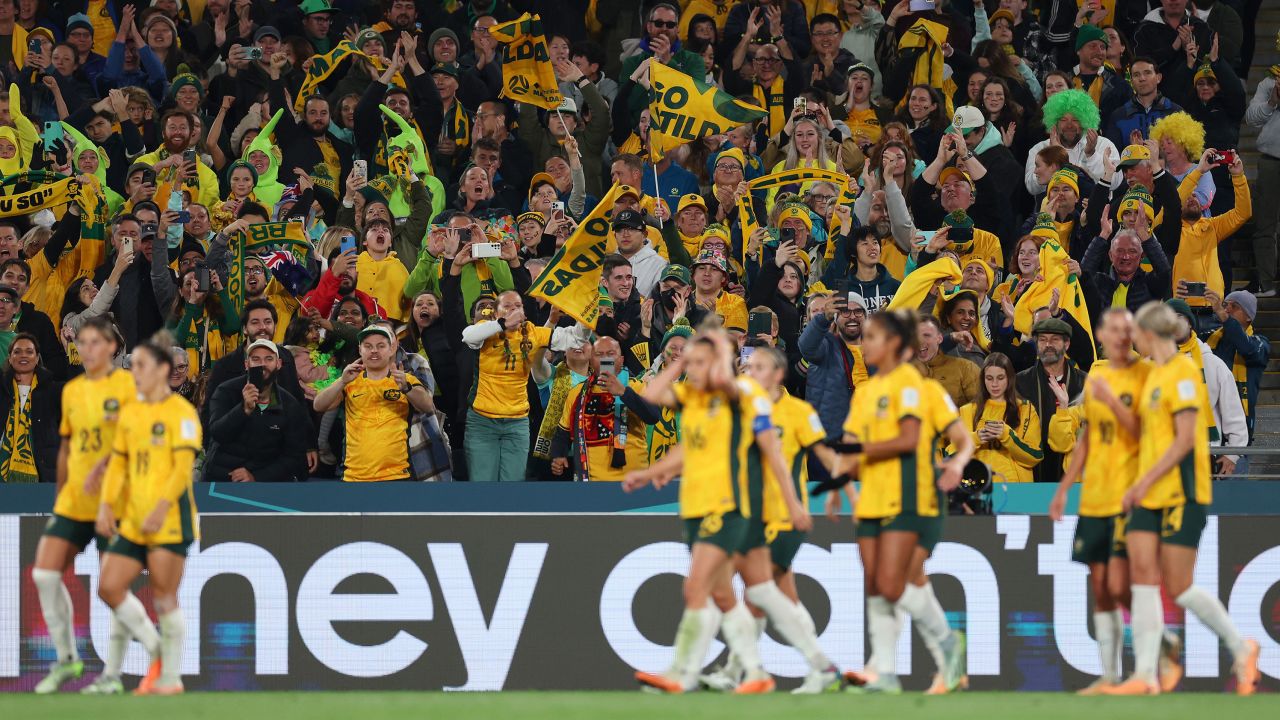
point(676, 272)
point(450, 69)
point(628, 190)
point(567, 105)
point(262, 343)
point(11, 292)
point(1134, 154)
point(628, 219)
point(691, 200)
point(79, 20)
point(861, 67)
point(315, 7)
point(950, 172)
point(265, 31)
point(375, 330)
point(968, 118)
point(540, 179)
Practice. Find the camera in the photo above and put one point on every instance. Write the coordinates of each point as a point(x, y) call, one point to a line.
point(486, 250)
point(253, 53)
point(973, 492)
point(1194, 289)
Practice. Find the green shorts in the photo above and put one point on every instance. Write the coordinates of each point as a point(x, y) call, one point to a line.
point(1095, 539)
point(931, 532)
point(726, 531)
point(784, 546)
point(902, 522)
point(754, 536)
point(76, 532)
point(1177, 525)
point(121, 545)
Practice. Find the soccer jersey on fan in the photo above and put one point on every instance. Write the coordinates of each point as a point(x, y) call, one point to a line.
point(904, 483)
point(377, 444)
point(717, 432)
point(151, 442)
point(90, 414)
point(1111, 467)
point(1172, 388)
point(502, 372)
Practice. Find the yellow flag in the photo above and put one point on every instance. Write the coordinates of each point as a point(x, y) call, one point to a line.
point(798, 176)
point(527, 74)
point(683, 109)
point(1053, 268)
point(916, 286)
point(571, 281)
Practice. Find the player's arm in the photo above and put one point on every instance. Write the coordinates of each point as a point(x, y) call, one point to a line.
point(659, 473)
point(1078, 456)
point(1184, 440)
point(953, 469)
point(1126, 417)
point(64, 453)
point(771, 450)
point(826, 456)
point(179, 480)
point(112, 485)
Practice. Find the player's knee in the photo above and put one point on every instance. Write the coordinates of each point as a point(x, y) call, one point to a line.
point(110, 594)
point(165, 603)
point(890, 588)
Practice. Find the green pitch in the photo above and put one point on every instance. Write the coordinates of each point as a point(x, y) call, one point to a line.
point(624, 706)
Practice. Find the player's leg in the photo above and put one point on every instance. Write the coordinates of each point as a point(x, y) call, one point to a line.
point(727, 677)
point(118, 637)
point(879, 627)
point(54, 555)
point(121, 565)
point(945, 646)
point(893, 559)
point(1177, 567)
point(166, 566)
point(1108, 627)
point(1146, 610)
point(763, 592)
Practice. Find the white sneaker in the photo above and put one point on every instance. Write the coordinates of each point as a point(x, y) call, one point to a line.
point(59, 674)
point(720, 680)
point(820, 681)
point(1265, 293)
point(104, 685)
point(956, 672)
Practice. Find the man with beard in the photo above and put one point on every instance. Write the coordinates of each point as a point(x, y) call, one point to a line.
point(1073, 119)
point(339, 283)
point(176, 132)
point(1053, 339)
point(831, 345)
point(1197, 258)
point(398, 16)
point(958, 376)
point(661, 41)
point(309, 143)
point(258, 434)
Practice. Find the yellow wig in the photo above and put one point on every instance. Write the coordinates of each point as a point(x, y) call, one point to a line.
point(1183, 130)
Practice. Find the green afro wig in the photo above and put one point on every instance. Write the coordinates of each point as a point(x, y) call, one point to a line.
point(1183, 130)
point(1076, 103)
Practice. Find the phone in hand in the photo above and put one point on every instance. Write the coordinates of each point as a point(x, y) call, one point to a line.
point(608, 366)
point(1223, 157)
point(921, 5)
point(1194, 289)
point(258, 377)
point(189, 155)
point(759, 323)
point(801, 102)
point(557, 205)
point(960, 235)
point(486, 250)
point(202, 278)
point(184, 217)
point(361, 168)
point(745, 354)
point(148, 177)
point(348, 244)
point(786, 234)
point(126, 245)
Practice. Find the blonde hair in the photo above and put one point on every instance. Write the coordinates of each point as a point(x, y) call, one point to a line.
point(1158, 319)
point(1184, 130)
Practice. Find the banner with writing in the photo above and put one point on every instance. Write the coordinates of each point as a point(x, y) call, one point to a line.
point(683, 109)
point(527, 74)
point(571, 281)
point(262, 239)
point(799, 176)
point(322, 66)
point(45, 196)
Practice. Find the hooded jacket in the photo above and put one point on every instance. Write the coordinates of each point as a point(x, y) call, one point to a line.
point(829, 381)
point(269, 189)
point(79, 144)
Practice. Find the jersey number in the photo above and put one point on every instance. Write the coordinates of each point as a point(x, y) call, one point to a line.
point(142, 462)
point(1107, 430)
point(90, 440)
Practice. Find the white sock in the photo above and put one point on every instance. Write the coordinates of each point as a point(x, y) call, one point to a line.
point(782, 613)
point(931, 622)
point(55, 601)
point(739, 630)
point(733, 666)
point(1211, 612)
point(117, 648)
point(883, 627)
point(1108, 625)
point(1147, 618)
point(174, 627)
point(697, 627)
point(133, 616)
point(803, 614)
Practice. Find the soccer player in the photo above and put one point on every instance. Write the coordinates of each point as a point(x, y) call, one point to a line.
point(772, 539)
point(149, 479)
point(1106, 452)
point(892, 419)
point(91, 406)
point(1168, 506)
point(722, 418)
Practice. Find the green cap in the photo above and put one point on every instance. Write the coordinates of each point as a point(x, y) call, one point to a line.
point(366, 35)
point(680, 328)
point(376, 330)
point(676, 272)
point(1181, 307)
point(315, 7)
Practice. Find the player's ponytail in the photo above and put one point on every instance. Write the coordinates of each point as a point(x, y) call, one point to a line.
point(160, 348)
point(900, 323)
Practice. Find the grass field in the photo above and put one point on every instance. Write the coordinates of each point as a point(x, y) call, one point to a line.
point(625, 706)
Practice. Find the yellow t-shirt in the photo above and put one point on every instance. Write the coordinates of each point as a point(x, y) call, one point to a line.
point(864, 122)
point(799, 429)
point(384, 279)
point(893, 259)
point(1112, 465)
point(499, 390)
point(859, 373)
point(732, 310)
point(717, 10)
point(600, 416)
point(904, 483)
point(717, 432)
point(152, 458)
point(1172, 388)
point(378, 414)
point(90, 412)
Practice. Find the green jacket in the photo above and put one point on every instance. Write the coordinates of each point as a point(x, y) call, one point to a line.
point(425, 277)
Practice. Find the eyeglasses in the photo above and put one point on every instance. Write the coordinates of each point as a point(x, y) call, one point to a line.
point(254, 271)
point(668, 24)
point(6, 300)
point(823, 197)
point(766, 60)
point(825, 33)
point(729, 167)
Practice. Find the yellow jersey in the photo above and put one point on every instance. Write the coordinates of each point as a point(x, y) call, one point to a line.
point(904, 483)
point(864, 122)
point(732, 311)
point(1111, 467)
point(152, 458)
point(799, 429)
point(377, 443)
point(858, 373)
point(90, 413)
point(1014, 455)
point(503, 371)
point(1172, 388)
point(717, 432)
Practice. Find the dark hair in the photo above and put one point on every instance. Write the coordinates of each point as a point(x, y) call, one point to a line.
point(902, 324)
point(950, 304)
point(26, 268)
point(252, 208)
point(258, 305)
point(612, 262)
point(908, 154)
point(824, 18)
point(415, 334)
point(1126, 57)
point(857, 235)
point(485, 143)
point(296, 333)
point(212, 304)
point(936, 119)
point(997, 59)
point(592, 51)
point(662, 5)
point(71, 299)
point(104, 325)
point(160, 348)
point(1012, 417)
point(1145, 59)
point(1011, 112)
point(174, 112)
point(337, 305)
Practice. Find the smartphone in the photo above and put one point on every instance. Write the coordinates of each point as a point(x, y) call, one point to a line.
point(759, 323)
point(51, 136)
point(126, 245)
point(745, 355)
point(486, 250)
point(608, 365)
point(33, 45)
point(802, 103)
point(150, 229)
point(557, 205)
point(189, 155)
point(1194, 289)
point(348, 244)
point(148, 177)
point(184, 217)
point(786, 234)
point(253, 53)
point(1224, 157)
point(202, 278)
point(921, 5)
point(361, 168)
point(960, 235)
point(258, 377)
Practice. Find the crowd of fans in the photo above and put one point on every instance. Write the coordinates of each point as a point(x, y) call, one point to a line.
point(1013, 171)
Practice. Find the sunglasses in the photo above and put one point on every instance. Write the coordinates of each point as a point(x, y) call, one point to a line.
point(668, 24)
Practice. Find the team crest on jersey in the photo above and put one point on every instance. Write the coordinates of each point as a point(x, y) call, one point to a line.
point(1127, 399)
point(882, 407)
point(1155, 398)
point(157, 434)
point(111, 409)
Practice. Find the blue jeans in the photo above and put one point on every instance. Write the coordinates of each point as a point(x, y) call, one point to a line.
point(497, 448)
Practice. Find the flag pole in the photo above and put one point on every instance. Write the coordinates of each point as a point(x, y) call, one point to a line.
point(657, 190)
point(566, 127)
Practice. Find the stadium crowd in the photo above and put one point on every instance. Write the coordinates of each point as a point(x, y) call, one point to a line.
point(340, 216)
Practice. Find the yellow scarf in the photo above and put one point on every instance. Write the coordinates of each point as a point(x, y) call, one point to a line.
point(916, 286)
point(1238, 370)
point(17, 459)
point(1053, 259)
point(457, 125)
point(774, 103)
point(632, 146)
point(928, 36)
point(1094, 89)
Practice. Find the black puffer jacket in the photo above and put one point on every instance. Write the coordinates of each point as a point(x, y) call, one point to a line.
point(271, 444)
point(46, 415)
